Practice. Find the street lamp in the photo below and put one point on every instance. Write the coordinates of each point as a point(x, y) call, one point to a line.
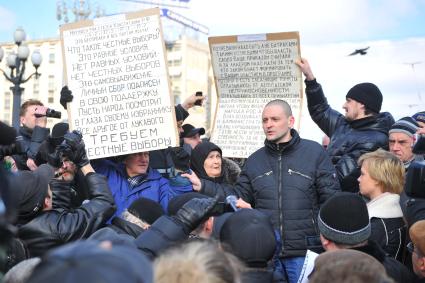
point(16, 62)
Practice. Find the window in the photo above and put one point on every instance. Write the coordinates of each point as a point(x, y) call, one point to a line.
point(52, 58)
point(51, 96)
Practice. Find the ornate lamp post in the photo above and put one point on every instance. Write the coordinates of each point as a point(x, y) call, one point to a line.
point(16, 62)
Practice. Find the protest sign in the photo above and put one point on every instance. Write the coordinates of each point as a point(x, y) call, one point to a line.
point(117, 70)
point(249, 71)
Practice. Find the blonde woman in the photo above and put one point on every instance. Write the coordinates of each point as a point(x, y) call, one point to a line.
point(381, 181)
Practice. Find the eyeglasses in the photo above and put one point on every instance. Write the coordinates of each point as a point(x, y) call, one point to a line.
point(411, 249)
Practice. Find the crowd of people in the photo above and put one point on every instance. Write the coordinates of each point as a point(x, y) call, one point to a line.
point(187, 214)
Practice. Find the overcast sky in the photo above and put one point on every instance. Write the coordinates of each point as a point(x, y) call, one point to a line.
point(329, 31)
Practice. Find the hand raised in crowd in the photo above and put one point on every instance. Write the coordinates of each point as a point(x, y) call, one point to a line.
point(305, 68)
point(196, 182)
point(190, 101)
point(31, 164)
point(66, 96)
point(40, 116)
point(74, 148)
point(195, 211)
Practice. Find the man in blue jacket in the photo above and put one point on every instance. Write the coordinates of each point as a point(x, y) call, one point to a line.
point(133, 178)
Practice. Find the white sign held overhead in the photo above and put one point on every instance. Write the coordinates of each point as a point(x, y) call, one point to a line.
point(117, 71)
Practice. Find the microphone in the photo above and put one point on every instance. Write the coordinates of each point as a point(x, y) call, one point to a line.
point(231, 200)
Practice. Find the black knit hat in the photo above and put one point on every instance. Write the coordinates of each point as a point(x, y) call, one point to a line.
point(250, 235)
point(344, 219)
point(405, 125)
point(198, 156)
point(86, 261)
point(368, 94)
point(146, 210)
point(32, 189)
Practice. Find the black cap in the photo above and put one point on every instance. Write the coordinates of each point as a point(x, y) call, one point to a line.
point(250, 235)
point(86, 261)
point(190, 131)
point(32, 190)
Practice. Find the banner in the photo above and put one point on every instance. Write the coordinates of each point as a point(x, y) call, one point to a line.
point(249, 71)
point(117, 71)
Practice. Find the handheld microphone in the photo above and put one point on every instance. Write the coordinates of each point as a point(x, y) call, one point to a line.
point(231, 200)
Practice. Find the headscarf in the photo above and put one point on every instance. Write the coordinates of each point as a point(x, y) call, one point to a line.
point(197, 159)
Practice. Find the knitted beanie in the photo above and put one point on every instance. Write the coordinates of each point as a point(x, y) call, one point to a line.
point(344, 219)
point(368, 94)
point(419, 117)
point(405, 125)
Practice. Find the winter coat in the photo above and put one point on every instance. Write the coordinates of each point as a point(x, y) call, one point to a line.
point(31, 142)
point(348, 139)
point(154, 186)
point(55, 227)
point(395, 269)
point(287, 182)
point(388, 227)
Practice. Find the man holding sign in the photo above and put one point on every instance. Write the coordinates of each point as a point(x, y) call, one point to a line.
point(287, 179)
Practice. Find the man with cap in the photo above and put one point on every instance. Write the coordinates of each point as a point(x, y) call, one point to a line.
point(191, 137)
point(287, 179)
point(363, 129)
point(344, 224)
point(40, 226)
point(417, 248)
point(402, 139)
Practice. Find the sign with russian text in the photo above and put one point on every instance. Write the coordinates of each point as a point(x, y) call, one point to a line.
point(117, 70)
point(249, 71)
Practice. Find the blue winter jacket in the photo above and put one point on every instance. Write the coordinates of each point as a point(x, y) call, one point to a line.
point(154, 187)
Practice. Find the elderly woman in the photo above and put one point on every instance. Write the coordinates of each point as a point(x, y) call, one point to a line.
point(381, 181)
point(207, 163)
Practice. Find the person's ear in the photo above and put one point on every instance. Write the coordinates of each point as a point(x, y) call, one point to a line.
point(291, 121)
point(209, 224)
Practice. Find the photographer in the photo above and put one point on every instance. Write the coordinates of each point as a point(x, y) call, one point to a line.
point(43, 227)
point(33, 131)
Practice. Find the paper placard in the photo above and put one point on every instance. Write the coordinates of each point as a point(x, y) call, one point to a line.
point(248, 74)
point(117, 71)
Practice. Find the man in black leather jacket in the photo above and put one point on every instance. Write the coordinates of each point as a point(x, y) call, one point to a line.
point(362, 129)
point(39, 225)
point(287, 179)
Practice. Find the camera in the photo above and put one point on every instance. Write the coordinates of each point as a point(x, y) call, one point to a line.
point(18, 147)
point(198, 102)
point(415, 178)
point(50, 113)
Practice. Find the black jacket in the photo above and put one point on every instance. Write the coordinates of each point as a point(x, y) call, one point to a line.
point(348, 139)
point(395, 269)
point(288, 182)
point(58, 226)
point(31, 142)
point(257, 276)
point(390, 235)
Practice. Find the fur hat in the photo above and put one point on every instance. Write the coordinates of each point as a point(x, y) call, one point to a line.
point(146, 210)
point(368, 94)
point(405, 125)
point(250, 235)
point(344, 219)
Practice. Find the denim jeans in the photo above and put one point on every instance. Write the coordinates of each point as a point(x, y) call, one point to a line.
point(288, 267)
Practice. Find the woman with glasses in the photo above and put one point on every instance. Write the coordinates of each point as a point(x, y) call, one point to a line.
point(381, 181)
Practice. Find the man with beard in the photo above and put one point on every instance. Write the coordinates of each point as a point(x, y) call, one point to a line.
point(362, 129)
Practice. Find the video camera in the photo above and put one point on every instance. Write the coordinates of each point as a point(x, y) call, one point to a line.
point(415, 178)
point(50, 113)
point(18, 147)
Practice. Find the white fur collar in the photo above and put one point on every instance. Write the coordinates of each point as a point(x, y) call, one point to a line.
point(385, 206)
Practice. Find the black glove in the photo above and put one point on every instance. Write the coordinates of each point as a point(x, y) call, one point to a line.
point(66, 96)
point(73, 147)
point(194, 212)
point(181, 158)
